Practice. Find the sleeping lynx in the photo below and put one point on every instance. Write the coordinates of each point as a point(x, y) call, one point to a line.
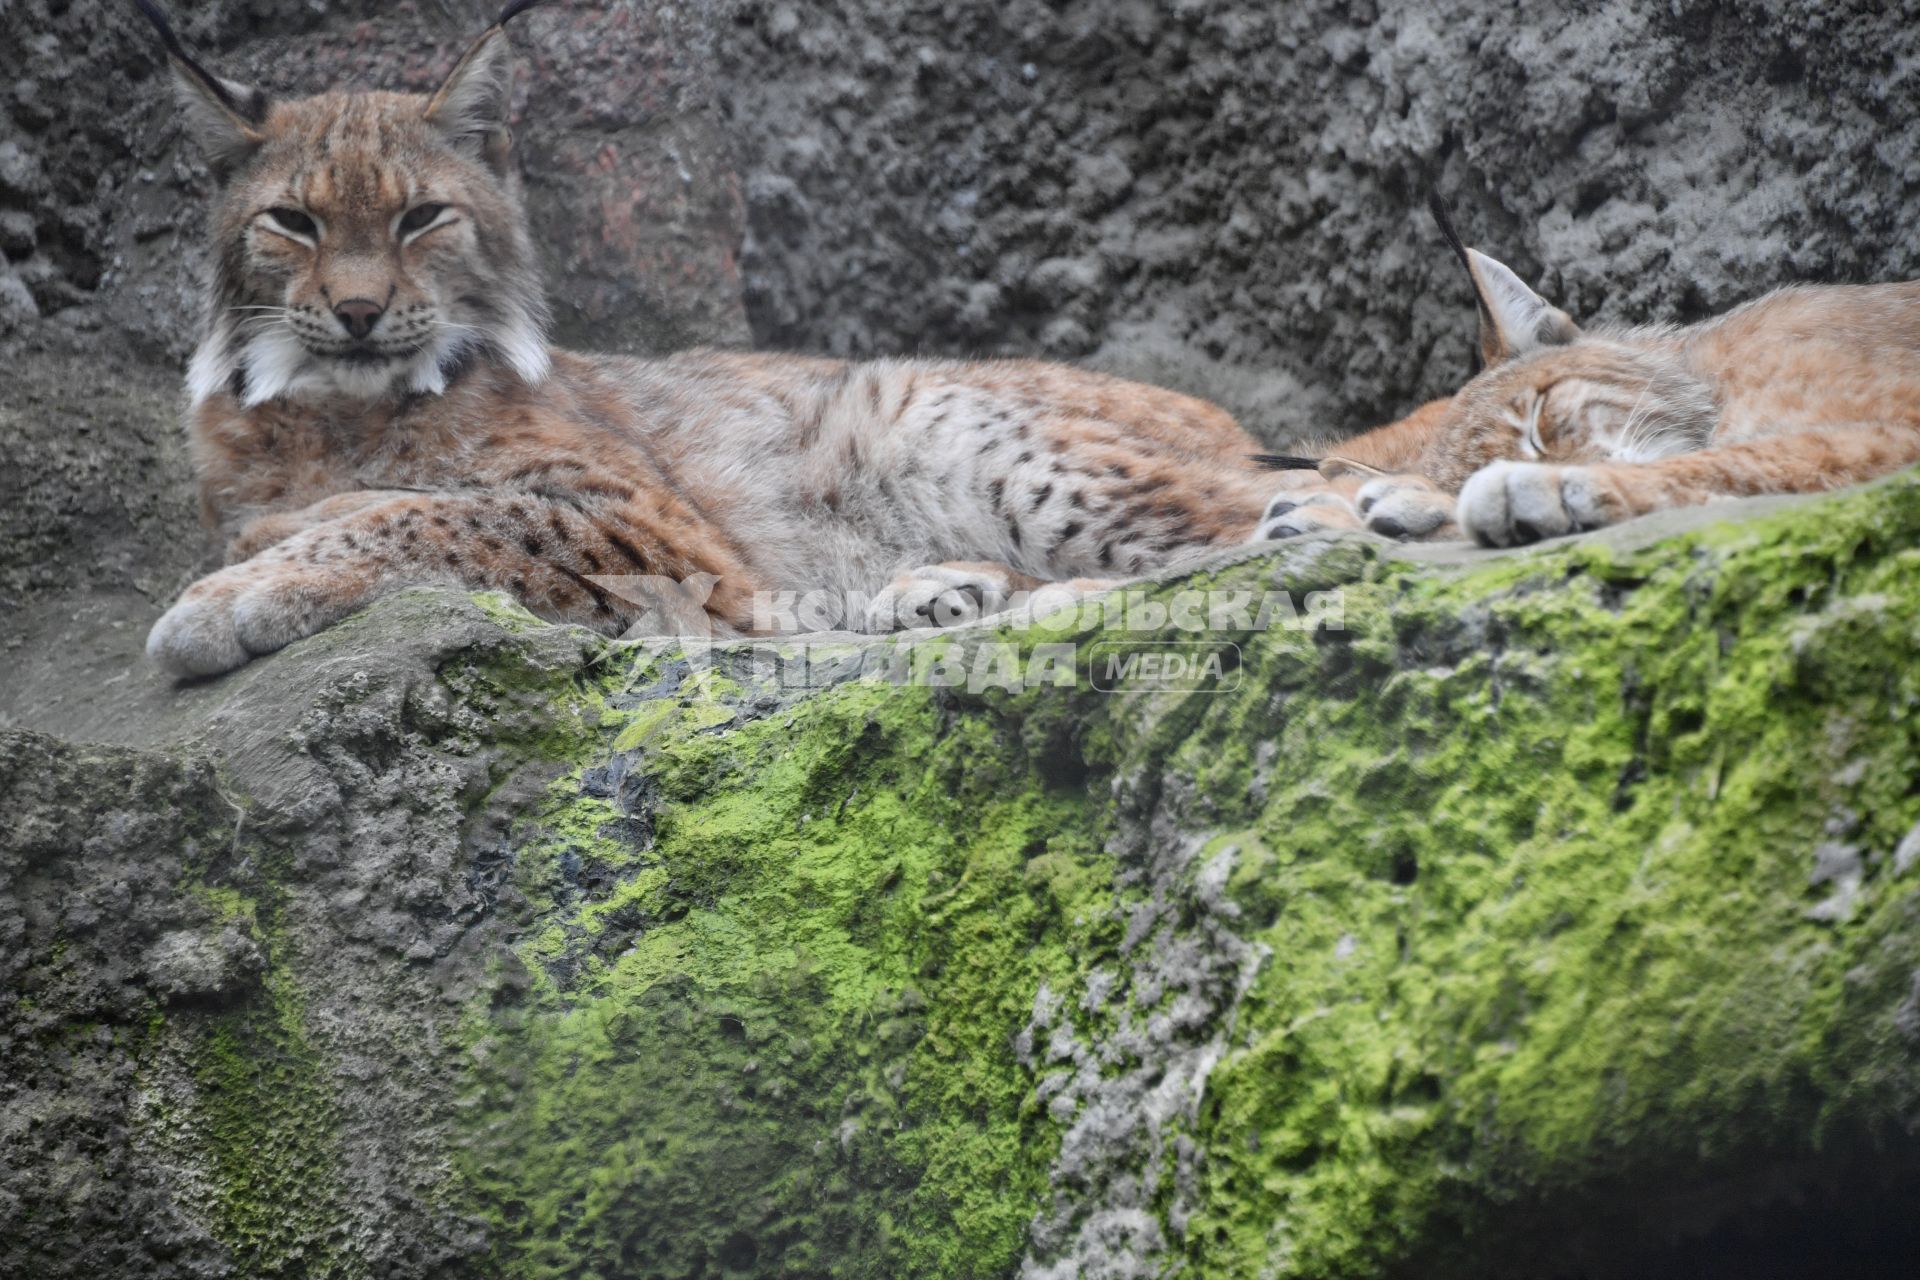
point(1803, 390)
point(374, 404)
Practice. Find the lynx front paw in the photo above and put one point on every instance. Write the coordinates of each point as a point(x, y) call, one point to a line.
point(196, 638)
point(940, 595)
point(240, 613)
point(1509, 504)
point(1295, 513)
point(1405, 507)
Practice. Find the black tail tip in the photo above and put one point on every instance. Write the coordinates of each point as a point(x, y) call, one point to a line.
point(1285, 462)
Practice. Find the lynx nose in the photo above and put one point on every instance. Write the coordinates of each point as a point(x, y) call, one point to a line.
point(358, 315)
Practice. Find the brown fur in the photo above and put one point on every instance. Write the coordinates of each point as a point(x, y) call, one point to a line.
point(1804, 390)
point(374, 406)
point(535, 490)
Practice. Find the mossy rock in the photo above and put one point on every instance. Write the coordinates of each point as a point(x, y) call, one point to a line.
point(1539, 914)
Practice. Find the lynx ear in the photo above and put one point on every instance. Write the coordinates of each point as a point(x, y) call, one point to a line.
point(472, 104)
point(224, 117)
point(1514, 320)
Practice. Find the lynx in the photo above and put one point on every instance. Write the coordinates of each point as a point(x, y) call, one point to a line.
point(1803, 390)
point(374, 404)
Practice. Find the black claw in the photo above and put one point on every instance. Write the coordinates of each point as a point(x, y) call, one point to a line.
point(1280, 531)
point(1387, 526)
point(1526, 531)
point(1280, 507)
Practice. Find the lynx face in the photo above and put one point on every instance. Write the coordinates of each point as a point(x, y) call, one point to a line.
point(1551, 393)
point(1590, 400)
point(365, 243)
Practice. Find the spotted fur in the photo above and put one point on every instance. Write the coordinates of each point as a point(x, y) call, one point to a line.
point(374, 404)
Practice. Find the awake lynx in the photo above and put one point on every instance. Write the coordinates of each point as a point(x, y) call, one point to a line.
point(374, 404)
point(1803, 390)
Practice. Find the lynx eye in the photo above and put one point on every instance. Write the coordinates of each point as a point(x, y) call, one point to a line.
point(420, 217)
point(294, 221)
point(1532, 433)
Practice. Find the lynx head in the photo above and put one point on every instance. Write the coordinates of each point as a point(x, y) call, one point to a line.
point(1550, 392)
point(365, 244)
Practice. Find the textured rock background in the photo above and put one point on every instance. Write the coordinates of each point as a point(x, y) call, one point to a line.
point(1227, 197)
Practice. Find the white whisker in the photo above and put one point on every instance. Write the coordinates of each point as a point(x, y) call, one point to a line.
point(1638, 436)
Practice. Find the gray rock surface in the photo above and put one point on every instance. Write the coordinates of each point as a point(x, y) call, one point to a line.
point(1226, 197)
point(139, 908)
point(1230, 195)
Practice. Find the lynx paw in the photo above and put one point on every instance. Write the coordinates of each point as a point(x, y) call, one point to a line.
point(1405, 507)
point(940, 595)
point(1512, 503)
point(239, 613)
point(1294, 513)
point(196, 638)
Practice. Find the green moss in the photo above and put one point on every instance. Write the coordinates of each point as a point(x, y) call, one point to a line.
point(228, 903)
point(1530, 845)
point(260, 1118)
point(1583, 955)
point(263, 1122)
point(506, 612)
point(780, 1034)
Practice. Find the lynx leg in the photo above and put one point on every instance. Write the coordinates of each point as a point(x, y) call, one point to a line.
point(1406, 507)
point(1300, 511)
point(959, 592)
point(1331, 499)
point(546, 553)
point(259, 534)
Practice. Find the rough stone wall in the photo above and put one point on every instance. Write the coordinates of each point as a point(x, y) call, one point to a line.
point(1230, 196)
point(1226, 197)
point(195, 1082)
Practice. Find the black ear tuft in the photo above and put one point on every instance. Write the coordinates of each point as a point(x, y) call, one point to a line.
point(472, 103)
point(1284, 462)
point(1444, 216)
point(514, 9)
point(151, 12)
point(223, 116)
point(249, 106)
